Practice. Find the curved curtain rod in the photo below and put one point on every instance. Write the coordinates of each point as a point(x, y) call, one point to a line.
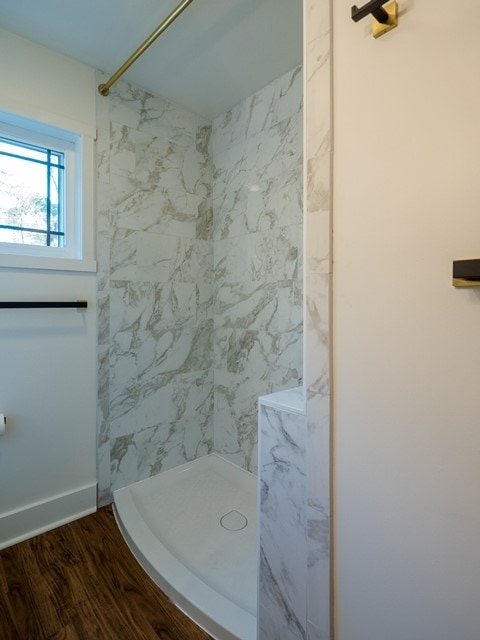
point(104, 89)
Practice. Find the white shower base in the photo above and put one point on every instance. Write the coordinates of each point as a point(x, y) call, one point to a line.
point(171, 523)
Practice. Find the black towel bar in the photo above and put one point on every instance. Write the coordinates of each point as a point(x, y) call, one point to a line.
point(77, 304)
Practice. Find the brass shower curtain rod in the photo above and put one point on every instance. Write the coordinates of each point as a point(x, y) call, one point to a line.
point(104, 89)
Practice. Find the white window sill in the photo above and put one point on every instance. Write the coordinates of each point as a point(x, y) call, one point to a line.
point(56, 264)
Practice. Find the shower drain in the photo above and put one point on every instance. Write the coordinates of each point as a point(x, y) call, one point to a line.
point(233, 521)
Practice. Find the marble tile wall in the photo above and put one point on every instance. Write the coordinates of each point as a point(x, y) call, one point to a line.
point(295, 519)
point(317, 310)
point(200, 299)
point(257, 232)
point(155, 286)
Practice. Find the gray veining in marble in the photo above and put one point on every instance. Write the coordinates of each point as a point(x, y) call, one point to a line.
point(280, 617)
point(283, 524)
point(318, 269)
point(257, 231)
point(200, 295)
point(199, 242)
point(155, 286)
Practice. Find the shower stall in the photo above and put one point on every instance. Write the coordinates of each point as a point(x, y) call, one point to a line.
point(201, 307)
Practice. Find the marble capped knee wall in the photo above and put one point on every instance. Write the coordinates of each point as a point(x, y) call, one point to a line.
point(282, 592)
point(199, 297)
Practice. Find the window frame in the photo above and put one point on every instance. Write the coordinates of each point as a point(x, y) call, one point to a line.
point(77, 254)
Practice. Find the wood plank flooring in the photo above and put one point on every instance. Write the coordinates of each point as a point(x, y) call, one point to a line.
point(81, 582)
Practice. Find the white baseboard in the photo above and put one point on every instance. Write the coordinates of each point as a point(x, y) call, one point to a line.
point(33, 519)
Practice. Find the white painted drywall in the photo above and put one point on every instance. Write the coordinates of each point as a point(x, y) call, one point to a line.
point(47, 357)
point(407, 344)
point(37, 82)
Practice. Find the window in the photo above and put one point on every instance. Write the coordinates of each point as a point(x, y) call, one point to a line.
point(46, 178)
point(32, 204)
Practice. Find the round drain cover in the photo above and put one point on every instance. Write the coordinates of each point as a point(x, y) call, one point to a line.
point(233, 521)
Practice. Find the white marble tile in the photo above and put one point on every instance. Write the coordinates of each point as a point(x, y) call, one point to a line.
point(194, 262)
point(204, 219)
point(258, 205)
point(317, 306)
point(287, 195)
point(157, 256)
point(147, 375)
point(257, 355)
point(198, 438)
point(103, 395)
point(287, 253)
point(230, 211)
point(168, 445)
point(174, 350)
point(159, 448)
point(286, 365)
point(250, 258)
point(318, 606)
point(318, 458)
point(104, 494)
point(236, 416)
point(276, 625)
point(155, 223)
point(125, 104)
point(141, 110)
point(278, 100)
point(224, 345)
point(317, 334)
point(258, 111)
point(289, 313)
point(314, 633)
point(205, 301)
point(283, 524)
point(103, 207)
point(246, 305)
point(103, 318)
point(123, 255)
point(288, 95)
point(267, 157)
point(317, 19)
point(317, 242)
point(152, 306)
point(228, 128)
point(290, 400)
point(103, 260)
point(172, 398)
point(123, 461)
point(102, 150)
point(155, 209)
point(122, 150)
point(318, 182)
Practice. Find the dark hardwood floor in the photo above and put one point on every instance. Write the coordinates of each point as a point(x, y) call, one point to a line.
point(81, 582)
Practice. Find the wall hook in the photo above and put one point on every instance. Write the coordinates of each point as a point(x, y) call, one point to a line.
point(384, 18)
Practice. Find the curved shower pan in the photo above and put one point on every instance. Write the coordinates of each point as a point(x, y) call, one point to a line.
point(194, 531)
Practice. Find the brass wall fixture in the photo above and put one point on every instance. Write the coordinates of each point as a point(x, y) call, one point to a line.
point(104, 88)
point(466, 273)
point(384, 18)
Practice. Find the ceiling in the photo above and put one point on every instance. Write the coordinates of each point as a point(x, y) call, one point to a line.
point(216, 53)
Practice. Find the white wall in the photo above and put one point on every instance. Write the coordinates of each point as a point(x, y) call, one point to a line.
point(407, 349)
point(48, 357)
point(37, 82)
